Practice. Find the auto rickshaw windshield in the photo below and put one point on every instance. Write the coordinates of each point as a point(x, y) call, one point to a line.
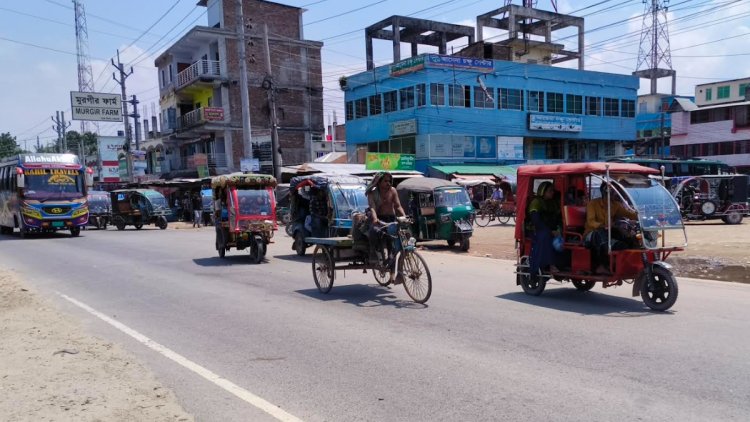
point(348, 198)
point(451, 197)
point(254, 202)
point(656, 207)
point(158, 201)
point(99, 203)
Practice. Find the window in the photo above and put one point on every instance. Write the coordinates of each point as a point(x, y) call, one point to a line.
point(437, 94)
point(360, 108)
point(390, 101)
point(593, 106)
point(481, 99)
point(420, 95)
point(510, 99)
point(457, 96)
point(574, 104)
point(407, 97)
point(170, 73)
point(536, 101)
point(709, 94)
point(743, 87)
point(610, 149)
point(611, 107)
point(376, 105)
point(349, 110)
point(554, 102)
point(628, 108)
point(722, 92)
point(163, 78)
point(726, 148)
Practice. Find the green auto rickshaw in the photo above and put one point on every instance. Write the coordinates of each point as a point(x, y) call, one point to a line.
point(441, 210)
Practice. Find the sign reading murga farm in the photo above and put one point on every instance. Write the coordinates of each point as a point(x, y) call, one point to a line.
point(96, 106)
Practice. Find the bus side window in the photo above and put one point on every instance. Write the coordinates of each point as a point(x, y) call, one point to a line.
point(3, 181)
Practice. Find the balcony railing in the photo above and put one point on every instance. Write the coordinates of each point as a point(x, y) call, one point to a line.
point(200, 116)
point(201, 68)
point(211, 160)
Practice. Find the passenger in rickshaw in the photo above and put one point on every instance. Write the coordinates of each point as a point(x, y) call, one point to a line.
point(546, 222)
point(384, 208)
point(596, 231)
point(319, 213)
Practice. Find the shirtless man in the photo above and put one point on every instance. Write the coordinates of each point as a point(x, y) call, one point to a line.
point(383, 200)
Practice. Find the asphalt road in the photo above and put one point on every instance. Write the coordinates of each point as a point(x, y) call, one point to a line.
point(480, 350)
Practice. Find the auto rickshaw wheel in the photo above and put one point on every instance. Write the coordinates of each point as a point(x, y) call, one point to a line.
point(584, 285)
point(119, 222)
point(220, 248)
point(138, 226)
point(661, 293)
point(323, 269)
point(451, 243)
point(289, 229)
point(532, 284)
point(465, 244)
point(733, 217)
point(75, 231)
point(416, 276)
point(162, 222)
point(257, 250)
point(299, 243)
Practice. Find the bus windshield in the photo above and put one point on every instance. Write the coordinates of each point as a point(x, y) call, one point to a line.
point(45, 184)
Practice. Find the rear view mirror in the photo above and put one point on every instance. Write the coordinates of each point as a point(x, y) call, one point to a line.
point(20, 180)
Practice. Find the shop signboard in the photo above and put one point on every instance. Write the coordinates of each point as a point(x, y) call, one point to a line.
point(109, 150)
point(403, 127)
point(213, 114)
point(409, 65)
point(385, 161)
point(96, 106)
point(510, 147)
point(555, 122)
point(455, 62)
point(486, 147)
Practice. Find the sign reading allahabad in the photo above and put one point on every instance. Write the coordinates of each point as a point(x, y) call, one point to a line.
point(96, 106)
point(412, 64)
point(383, 161)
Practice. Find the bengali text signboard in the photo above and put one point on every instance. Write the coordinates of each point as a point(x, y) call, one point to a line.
point(96, 106)
point(384, 161)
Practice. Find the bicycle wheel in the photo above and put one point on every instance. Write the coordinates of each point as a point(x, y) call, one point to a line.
point(323, 269)
point(483, 218)
point(416, 276)
point(503, 219)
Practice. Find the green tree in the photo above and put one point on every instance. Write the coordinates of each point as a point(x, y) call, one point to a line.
point(78, 143)
point(8, 145)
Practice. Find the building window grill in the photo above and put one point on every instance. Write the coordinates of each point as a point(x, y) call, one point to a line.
point(481, 100)
point(611, 107)
point(390, 101)
point(554, 102)
point(574, 104)
point(437, 94)
point(536, 101)
point(510, 99)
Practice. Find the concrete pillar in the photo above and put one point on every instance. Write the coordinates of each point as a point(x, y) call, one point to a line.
point(414, 50)
point(396, 40)
point(480, 29)
point(368, 51)
point(581, 48)
point(443, 47)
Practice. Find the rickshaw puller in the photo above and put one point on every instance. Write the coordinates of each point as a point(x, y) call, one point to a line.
point(595, 233)
point(384, 207)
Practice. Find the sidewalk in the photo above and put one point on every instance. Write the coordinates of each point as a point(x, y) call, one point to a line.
point(51, 370)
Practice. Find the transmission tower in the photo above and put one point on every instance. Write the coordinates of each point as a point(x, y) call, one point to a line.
point(85, 77)
point(654, 47)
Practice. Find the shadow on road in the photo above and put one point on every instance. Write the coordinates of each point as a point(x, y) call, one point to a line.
point(294, 257)
point(39, 236)
point(366, 296)
point(584, 303)
point(229, 260)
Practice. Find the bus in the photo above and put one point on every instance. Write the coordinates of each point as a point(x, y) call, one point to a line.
point(676, 167)
point(43, 193)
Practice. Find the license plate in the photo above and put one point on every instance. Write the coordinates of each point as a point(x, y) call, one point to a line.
point(58, 224)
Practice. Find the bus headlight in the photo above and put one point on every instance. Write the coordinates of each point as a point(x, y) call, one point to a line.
point(80, 211)
point(31, 212)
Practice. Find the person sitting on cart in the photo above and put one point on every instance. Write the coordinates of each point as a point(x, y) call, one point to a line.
point(384, 207)
point(596, 235)
point(318, 213)
point(546, 220)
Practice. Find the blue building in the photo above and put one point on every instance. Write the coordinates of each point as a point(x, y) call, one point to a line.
point(451, 109)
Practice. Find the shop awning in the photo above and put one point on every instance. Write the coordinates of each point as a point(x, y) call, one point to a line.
point(474, 179)
point(452, 170)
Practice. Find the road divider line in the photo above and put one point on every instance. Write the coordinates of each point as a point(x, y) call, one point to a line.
point(224, 383)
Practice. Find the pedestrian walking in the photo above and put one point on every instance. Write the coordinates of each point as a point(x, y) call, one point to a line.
point(197, 209)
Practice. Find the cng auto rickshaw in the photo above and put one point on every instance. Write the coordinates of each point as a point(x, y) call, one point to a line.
point(139, 207)
point(322, 206)
point(638, 259)
point(441, 210)
point(100, 208)
point(245, 211)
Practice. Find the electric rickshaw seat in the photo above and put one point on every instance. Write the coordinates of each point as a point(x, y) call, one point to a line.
point(574, 220)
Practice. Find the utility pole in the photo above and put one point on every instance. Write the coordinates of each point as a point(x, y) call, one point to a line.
point(661, 129)
point(272, 106)
point(244, 94)
point(38, 145)
point(123, 76)
point(136, 117)
point(60, 127)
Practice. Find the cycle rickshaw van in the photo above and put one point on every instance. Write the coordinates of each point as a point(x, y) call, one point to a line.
point(712, 197)
point(245, 210)
point(139, 207)
point(100, 208)
point(441, 210)
point(657, 233)
point(322, 206)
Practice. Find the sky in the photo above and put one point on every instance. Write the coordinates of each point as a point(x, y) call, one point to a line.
point(709, 41)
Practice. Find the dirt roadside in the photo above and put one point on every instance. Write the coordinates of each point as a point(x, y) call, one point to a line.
point(51, 370)
point(715, 250)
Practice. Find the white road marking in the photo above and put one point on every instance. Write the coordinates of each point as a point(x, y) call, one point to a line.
point(227, 385)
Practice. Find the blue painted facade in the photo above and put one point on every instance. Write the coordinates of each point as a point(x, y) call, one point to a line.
point(443, 114)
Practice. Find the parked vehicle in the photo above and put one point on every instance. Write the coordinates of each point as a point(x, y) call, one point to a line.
point(712, 197)
point(658, 232)
point(100, 208)
point(139, 207)
point(245, 213)
point(501, 211)
point(441, 210)
point(322, 206)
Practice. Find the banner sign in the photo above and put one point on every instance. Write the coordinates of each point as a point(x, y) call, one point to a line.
point(409, 65)
point(213, 114)
point(404, 127)
point(101, 107)
point(439, 61)
point(109, 150)
point(250, 165)
point(555, 122)
point(510, 147)
point(384, 161)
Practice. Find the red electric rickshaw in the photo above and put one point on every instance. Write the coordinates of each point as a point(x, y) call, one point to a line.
point(658, 232)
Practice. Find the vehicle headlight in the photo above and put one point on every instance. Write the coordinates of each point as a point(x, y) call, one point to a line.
point(412, 242)
point(31, 212)
point(79, 212)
